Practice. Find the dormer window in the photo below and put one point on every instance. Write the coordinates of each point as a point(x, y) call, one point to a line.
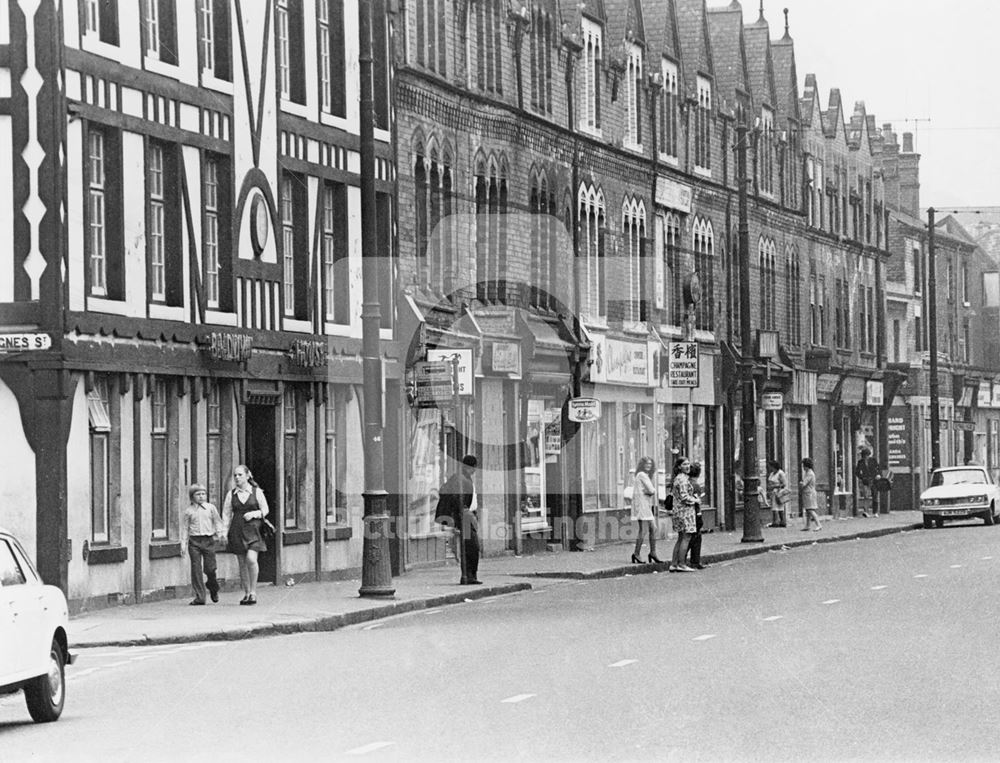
point(633, 82)
point(703, 128)
point(590, 114)
point(766, 151)
point(667, 118)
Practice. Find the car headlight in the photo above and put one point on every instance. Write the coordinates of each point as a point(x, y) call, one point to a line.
point(977, 499)
point(930, 501)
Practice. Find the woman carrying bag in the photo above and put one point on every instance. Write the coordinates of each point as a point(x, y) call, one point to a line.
point(778, 493)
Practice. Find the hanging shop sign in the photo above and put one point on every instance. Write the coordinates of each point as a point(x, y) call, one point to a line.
point(307, 353)
point(873, 393)
point(627, 362)
point(584, 409)
point(772, 401)
point(682, 364)
point(24, 342)
point(897, 424)
point(237, 348)
point(465, 367)
point(433, 383)
point(505, 358)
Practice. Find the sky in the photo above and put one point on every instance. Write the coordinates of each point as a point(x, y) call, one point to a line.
point(909, 60)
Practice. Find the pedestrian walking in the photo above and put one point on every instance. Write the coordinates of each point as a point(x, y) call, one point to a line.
point(698, 488)
point(808, 501)
point(201, 528)
point(778, 493)
point(643, 508)
point(458, 505)
point(683, 515)
point(244, 513)
point(865, 472)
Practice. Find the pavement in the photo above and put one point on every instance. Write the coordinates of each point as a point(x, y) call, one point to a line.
point(326, 606)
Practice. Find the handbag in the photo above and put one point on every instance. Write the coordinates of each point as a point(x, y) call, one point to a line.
point(267, 530)
point(784, 493)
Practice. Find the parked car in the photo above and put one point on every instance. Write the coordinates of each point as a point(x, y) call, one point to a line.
point(33, 628)
point(960, 492)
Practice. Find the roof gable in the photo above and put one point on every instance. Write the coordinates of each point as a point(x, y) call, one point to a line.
point(760, 65)
point(732, 80)
point(786, 80)
point(696, 46)
point(661, 30)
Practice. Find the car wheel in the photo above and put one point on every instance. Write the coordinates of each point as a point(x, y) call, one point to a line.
point(928, 521)
point(939, 522)
point(989, 517)
point(45, 695)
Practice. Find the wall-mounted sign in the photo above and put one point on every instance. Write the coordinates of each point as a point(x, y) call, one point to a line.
point(873, 393)
point(772, 401)
point(767, 344)
point(506, 358)
point(897, 424)
point(307, 353)
point(433, 383)
point(626, 362)
point(24, 342)
point(682, 364)
point(985, 396)
point(673, 195)
point(232, 347)
point(584, 409)
point(465, 368)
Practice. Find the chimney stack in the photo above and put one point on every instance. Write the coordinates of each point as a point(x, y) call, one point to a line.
point(907, 142)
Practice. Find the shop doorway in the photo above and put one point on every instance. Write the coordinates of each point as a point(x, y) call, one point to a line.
point(794, 468)
point(261, 457)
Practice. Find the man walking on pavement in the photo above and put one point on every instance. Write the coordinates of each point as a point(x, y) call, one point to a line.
point(865, 472)
point(458, 494)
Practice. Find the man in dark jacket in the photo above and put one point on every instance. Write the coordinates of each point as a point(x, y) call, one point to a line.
point(865, 472)
point(457, 502)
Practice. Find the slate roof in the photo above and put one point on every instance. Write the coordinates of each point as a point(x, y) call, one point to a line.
point(757, 38)
point(660, 18)
point(834, 115)
point(786, 80)
point(807, 103)
point(696, 48)
point(572, 11)
point(624, 22)
point(725, 28)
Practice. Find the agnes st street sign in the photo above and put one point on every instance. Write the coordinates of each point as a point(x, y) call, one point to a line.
point(25, 342)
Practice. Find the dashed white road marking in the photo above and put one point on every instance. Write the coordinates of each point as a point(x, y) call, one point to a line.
point(433, 611)
point(373, 626)
point(772, 618)
point(831, 601)
point(955, 566)
point(517, 698)
point(921, 575)
point(621, 663)
point(987, 557)
point(879, 587)
point(705, 637)
point(365, 749)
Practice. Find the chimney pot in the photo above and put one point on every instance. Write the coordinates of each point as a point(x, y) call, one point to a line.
point(907, 142)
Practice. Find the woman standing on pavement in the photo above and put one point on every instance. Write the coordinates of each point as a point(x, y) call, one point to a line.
point(643, 502)
point(698, 488)
point(777, 490)
point(683, 515)
point(243, 516)
point(808, 489)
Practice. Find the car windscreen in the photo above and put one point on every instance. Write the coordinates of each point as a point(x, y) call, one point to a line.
point(959, 477)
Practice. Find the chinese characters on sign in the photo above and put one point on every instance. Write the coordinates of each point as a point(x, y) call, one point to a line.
point(682, 364)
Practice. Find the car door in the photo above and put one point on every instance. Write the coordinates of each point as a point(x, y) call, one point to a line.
point(18, 617)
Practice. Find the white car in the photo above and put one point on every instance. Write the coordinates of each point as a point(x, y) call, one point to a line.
point(960, 492)
point(33, 627)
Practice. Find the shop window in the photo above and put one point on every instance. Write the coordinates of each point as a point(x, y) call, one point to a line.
point(213, 452)
point(542, 446)
point(425, 473)
point(100, 472)
point(159, 454)
point(294, 428)
point(599, 448)
point(335, 463)
point(703, 449)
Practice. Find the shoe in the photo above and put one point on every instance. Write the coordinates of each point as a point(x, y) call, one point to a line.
point(636, 559)
point(654, 560)
point(214, 595)
point(817, 529)
point(470, 581)
point(699, 566)
point(685, 568)
point(672, 568)
point(251, 600)
point(197, 603)
point(245, 599)
point(805, 529)
point(864, 514)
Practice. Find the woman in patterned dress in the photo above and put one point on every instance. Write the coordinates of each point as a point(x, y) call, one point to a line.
point(684, 521)
point(243, 515)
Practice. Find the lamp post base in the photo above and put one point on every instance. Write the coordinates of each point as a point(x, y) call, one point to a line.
point(376, 570)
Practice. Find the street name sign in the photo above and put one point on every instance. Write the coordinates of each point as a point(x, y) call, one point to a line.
point(24, 342)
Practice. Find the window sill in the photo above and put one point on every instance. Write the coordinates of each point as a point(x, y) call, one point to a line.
point(164, 549)
point(338, 532)
point(703, 172)
point(295, 537)
point(104, 554)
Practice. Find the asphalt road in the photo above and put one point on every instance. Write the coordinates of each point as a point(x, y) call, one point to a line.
point(881, 649)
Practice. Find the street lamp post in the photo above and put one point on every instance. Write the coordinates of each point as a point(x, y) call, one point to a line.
point(748, 423)
point(376, 572)
point(931, 304)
